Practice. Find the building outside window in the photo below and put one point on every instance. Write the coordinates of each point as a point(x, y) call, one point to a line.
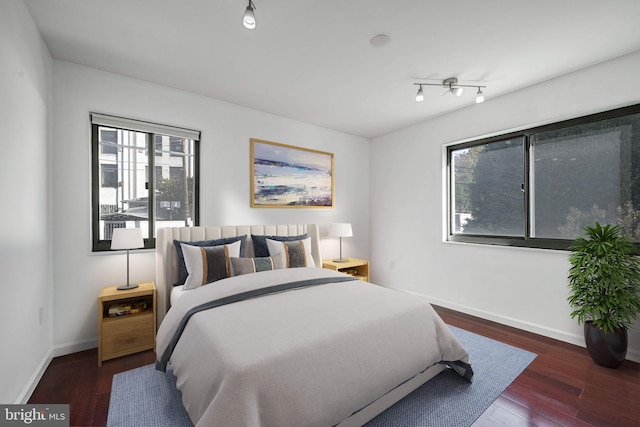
point(126, 194)
point(541, 187)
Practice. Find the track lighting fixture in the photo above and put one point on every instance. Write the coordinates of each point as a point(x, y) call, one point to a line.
point(249, 19)
point(452, 86)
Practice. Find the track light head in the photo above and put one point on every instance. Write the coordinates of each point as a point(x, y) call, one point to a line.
point(420, 95)
point(457, 91)
point(249, 19)
point(479, 96)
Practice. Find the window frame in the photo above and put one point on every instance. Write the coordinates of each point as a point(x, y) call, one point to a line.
point(527, 241)
point(151, 129)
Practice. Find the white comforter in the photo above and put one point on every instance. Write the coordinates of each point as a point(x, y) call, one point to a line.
point(306, 357)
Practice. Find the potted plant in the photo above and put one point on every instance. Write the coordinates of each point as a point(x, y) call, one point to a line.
point(604, 284)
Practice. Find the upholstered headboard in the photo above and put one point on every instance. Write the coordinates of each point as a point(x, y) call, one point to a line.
point(166, 258)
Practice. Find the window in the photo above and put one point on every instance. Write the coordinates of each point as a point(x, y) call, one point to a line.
point(488, 196)
point(125, 193)
point(540, 187)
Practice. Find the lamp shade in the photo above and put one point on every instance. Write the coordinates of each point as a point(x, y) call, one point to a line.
point(340, 230)
point(249, 19)
point(127, 238)
point(457, 91)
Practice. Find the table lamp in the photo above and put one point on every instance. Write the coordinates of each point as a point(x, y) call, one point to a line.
point(127, 238)
point(340, 230)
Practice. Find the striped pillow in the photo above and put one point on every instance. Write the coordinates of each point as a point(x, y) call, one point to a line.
point(295, 253)
point(254, 265)
point(206, 264)
point(260, 248)
point(182, 268)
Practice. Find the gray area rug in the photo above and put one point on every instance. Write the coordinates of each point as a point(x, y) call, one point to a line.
point(146, 397)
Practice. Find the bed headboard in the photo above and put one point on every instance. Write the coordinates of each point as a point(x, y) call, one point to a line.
point(166, 258)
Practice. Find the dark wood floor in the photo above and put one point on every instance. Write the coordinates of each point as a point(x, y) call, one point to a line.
point(562, 387)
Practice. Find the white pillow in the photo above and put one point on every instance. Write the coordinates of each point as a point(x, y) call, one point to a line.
point(296, 253)
point(206, 264)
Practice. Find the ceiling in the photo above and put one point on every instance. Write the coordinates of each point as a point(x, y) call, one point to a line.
point(313, 60)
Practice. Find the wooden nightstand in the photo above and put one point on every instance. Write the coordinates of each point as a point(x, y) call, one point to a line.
point(134, 329)
point(355, 267)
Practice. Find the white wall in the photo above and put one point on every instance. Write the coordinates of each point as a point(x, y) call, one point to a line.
point(224, 182)
point(48, 264)
point(525, 288)
point(25, 284)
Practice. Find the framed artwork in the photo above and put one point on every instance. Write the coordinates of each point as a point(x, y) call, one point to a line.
point(284, 176)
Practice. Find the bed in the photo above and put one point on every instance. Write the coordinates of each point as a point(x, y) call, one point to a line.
point(302, 346)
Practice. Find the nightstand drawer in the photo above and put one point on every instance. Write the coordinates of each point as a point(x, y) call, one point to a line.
point(127, 334)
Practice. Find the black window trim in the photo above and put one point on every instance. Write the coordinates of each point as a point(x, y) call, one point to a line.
point(98, 120)
point(526, 241)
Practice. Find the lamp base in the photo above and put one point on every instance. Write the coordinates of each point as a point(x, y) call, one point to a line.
point(341, 260)
point(127, 287)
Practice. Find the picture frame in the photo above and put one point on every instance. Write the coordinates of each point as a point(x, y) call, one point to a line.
point(285, 176)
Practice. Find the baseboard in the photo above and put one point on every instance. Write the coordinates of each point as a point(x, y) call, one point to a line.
point(509, 321)
point(24, 396)
point(68, 348)
point(576, 339)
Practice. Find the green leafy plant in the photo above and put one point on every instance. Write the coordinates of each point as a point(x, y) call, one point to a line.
point(604, 278)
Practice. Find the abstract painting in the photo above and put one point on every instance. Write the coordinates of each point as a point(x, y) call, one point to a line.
point(284, 176)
